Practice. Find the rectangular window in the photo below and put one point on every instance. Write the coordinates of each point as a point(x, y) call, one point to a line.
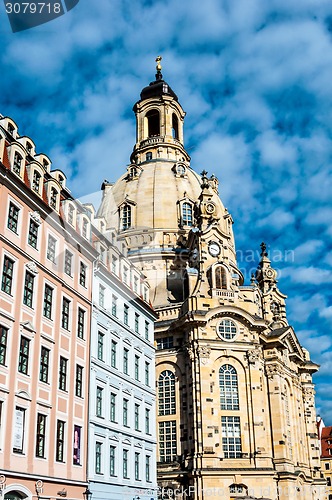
point(136, 466)
point(147, 373)
point(23, 361)
point(65, 313)
point(231, 437)
point(125, 464)
point(44, 364)
point(98, 458)
point(165, 343)
point(36, 181)
point(100, 352)
point(136, 367)
point(80, 323)
point(125, 361)
point(68, 262)
point(101, 296)
point(114, 264)
point(147, 421)
point(147, 468)
point(125, 314)
point(99, 402)
point(48, 298)
point(327, 466)
point(135, 284)
point(112, 460)
point(3, 344)
point(83, 274)
point(328, 481)
point(7, 275)
point(33, 234)
point(114, 305)
point(51, 249)
point(17, 164)
point(136, 322)
point(19, 430)
point(41, 434)
point(125, 412)
point(167, 441)
point(63, 373)
point(79, 381)
point(28, 289)
point(125, 274)
point(77, 445)
point(147, 330)
point(113, 354)
point(136, 417)
point(60, 441)
point(12, 221)
point(112, 407)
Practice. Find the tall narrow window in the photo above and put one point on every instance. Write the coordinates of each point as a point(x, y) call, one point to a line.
point(125, 360)
point(98, 458)
point(23, 360)
point(44, 364)
point(19, 430)
point(167, 441)
point(41, 435)
point(125, 274)
point(71, 212)
point(137, 466)
point(114, 305)
point(153, 122)
point(187, 214)
point(80, 323)
point(99, 402)
point(146, 330)
point(112, 407)
point(112, 460)
point(125, 464)
point(85, 228)
point(53, 198)
point(100, 351)
point(36, 181)
point(166, 393)
point(17, 164)
point(147, 468)
point(136, 323)
point(77, 445)
point(125, 412)
point(3, 344)
point(101, 296)
point(79, 381)
point(33, 234)
point(28, 289)
point(114, 264)
point(68, 262)
point(147, 421)
point(51, 249)
point(147, 373)
point(175, 126)
point(136, 367)
point(65, 313)
point(12, 221)
point(220, 277)
point(83, 274)
point(60, 441)
point(229, 392)
point(136, 417)
point(231, 437)
point(48, 298)
point(126, 217)
point(125, 314)
point(63, 373)
point(113, 353)
point(7, 275)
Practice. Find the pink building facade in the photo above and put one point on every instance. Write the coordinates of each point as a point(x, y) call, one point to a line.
point(46, 264)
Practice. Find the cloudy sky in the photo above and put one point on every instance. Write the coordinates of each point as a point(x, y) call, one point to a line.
point(254, 77)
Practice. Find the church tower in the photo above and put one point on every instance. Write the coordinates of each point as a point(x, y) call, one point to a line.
point(235, 411)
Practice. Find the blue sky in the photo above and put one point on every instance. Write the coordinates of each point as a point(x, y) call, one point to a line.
point(254, 77)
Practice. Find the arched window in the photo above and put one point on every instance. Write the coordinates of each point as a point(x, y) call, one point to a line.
point(187, 214)
point(126, 217)
point(229, 390)
point(153, 122)
point(166, 393)
point(36, 181)
point(148, 156)
point(220, 277)
point(71, 212)
point(133, 172)
point(180, 169)
point(275, 308)
point(17, 164)
point(85, 228)
point(175, 126)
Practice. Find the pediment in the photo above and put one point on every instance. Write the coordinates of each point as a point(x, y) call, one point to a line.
point(27, 325)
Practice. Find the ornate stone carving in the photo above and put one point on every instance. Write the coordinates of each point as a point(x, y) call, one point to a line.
point(272, 370)
point(32, 268)
point(35, 216)
point(254, 354)
point(204, 354)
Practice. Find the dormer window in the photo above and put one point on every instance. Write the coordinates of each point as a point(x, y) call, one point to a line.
point(45, 164)
point(126, 217)
point(102, 227)
point(175, 127)
point(10, 128)
point(36, 181)
point(17, 164)
point(180, 169)
point(220, 277)
point(85, 225)
point(71, 212)
point(148, 156)
point(53, 198)
point(133, 172)
point(153, 123)
point(187, 214)
point(28, 147)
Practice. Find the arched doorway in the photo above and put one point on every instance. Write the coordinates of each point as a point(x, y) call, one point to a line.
point(15, 495)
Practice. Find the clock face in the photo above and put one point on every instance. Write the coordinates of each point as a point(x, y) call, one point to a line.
point(214, 249)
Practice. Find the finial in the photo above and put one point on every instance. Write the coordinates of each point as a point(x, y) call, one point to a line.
point(263, 247)
point(252, 280)
point(159, 76)
point(205, 183)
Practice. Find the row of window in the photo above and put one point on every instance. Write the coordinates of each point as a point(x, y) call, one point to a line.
point(126, 415)
point(125, 359)
point(114, 463)
point(127, 216)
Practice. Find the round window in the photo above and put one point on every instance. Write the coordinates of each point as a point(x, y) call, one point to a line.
point(227, 329)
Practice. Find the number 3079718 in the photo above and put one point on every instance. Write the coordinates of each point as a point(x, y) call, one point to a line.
point(32, 8)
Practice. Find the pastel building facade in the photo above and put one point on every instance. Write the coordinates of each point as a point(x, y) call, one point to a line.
point(122, 427)
point(46, 262)
point(326, 456)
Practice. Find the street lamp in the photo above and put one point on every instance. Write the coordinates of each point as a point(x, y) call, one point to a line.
point(87, 494)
